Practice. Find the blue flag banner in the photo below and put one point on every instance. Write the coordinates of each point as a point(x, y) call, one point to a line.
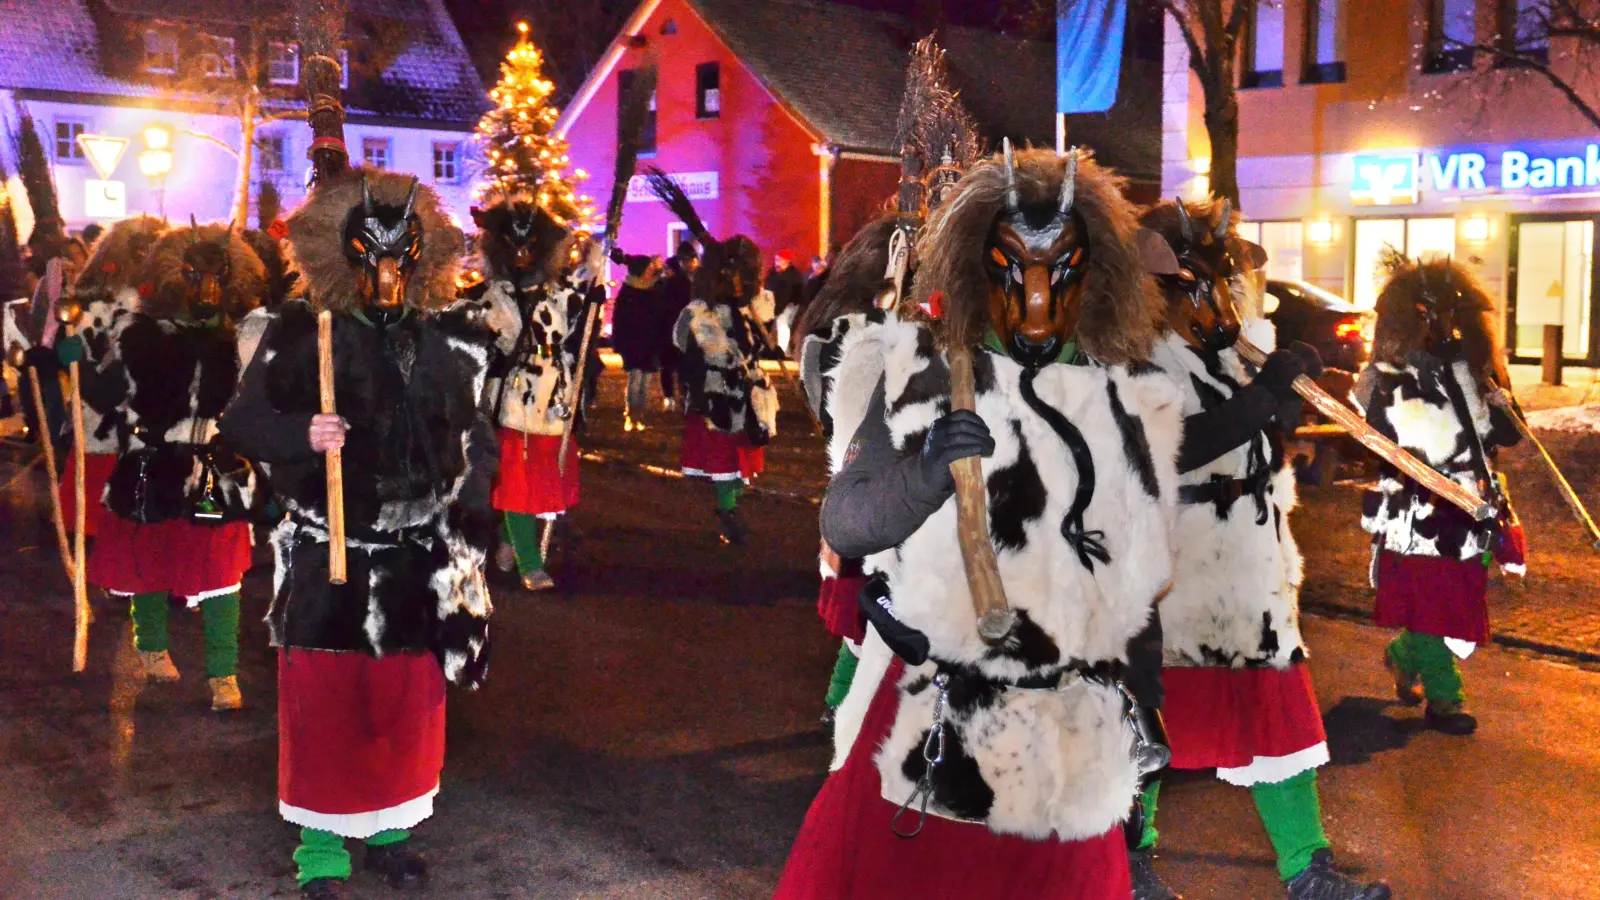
point(1088, 53)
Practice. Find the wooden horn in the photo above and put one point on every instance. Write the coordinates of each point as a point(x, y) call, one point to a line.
point(995, 616)
point(335, 458)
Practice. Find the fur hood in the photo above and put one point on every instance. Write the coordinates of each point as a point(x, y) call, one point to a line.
point(117, 259)
point(1456, 292)
point(247, 286)
point(316, 241)
point(1121, 305)
point(553, 243)
point(854, 280)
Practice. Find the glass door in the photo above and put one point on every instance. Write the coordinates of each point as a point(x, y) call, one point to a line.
point(1552, 272)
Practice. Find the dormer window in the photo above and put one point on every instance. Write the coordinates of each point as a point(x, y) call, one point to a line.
point(217, 59)
point(283, 64)
point(161, 51)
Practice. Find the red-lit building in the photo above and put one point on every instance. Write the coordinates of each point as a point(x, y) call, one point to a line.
point(779, 115)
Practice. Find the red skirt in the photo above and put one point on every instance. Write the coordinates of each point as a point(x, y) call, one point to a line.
point(96, 469)
point(846, 851)
point(530, 481)
point(1432, 595)
point(839, 606)
point(360, 740)
point(178, 556)
point(718, 455)
point(1225, 718)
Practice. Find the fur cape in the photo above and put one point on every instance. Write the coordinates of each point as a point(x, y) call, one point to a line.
point(1121, 306)
point(1236, 586)
point(270, 251)
point(108, 294)
point(316, 241)
point(1456, 292)
point(1030, 762)
point(419, 460)
point(553, 242)
point(534, 371)
point(722, 371)
point(245, 290)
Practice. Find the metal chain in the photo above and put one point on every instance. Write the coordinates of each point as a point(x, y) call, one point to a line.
point(932, 755)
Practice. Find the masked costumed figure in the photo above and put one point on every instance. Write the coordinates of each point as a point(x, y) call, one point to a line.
point(634, 330)
point(534, 308)
point(107, 292)
point(1437, 362)
point(1011, 763)
point(731, 410)
point(178, 498)
point(362, 666)
point(1238, 692)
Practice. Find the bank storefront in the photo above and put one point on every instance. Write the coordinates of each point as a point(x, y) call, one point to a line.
point(1522, 214)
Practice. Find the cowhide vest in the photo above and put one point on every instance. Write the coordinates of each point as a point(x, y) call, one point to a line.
point(1410, 406)
point(1236, 585)
point(537, 364)
point(1033, 762)
point(102, 317)
point(722, 372)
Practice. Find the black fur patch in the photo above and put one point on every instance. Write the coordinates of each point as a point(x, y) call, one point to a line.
point(1027, 643)
point(1016, 497)
point(932, 383)
point(1210, 396)
point(958, 785)
point(1135, 444)
point(1269, 638)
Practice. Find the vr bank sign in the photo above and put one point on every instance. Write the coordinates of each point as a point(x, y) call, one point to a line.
point(1396, 177)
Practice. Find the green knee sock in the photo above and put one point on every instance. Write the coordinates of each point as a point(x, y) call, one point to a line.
point(844, 672)
point(1428, 656)
point(522, 532)
point(392, 836)
point(1292, 814)
point(728, 493)
point(1148, 840)
point(150, 622)
point(221, 615)
point(321, 854)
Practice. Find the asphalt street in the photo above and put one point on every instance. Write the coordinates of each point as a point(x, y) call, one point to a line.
point(651, 731)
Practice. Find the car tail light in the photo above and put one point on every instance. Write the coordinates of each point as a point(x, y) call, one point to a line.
point(1347, 329)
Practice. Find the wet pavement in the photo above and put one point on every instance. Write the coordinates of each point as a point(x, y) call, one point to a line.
point(650, 731)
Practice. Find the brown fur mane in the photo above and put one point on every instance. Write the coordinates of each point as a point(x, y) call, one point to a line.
point(116, 260)
point(316, 241)
point(854, 280)
point(247, 277)
point(553, 242)
point(1401, 328)
point(1120, 306)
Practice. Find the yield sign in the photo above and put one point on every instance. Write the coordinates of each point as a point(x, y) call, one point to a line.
point(103, 151)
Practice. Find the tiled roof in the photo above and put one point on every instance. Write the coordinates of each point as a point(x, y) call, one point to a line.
point(54, 46)
point(842, 70)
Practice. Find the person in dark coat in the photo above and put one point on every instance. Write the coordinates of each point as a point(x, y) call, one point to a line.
point(633, 331)
point(676, 292)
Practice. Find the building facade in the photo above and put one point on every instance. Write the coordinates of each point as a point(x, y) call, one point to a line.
point(143, 71)
point(1370, 124)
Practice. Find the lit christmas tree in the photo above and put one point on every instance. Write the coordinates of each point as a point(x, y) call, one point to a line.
point(519, 142)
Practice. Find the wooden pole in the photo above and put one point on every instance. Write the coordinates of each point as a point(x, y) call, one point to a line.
point(1357, 427)
point(335, 458)
point(80, 587)
point(50, 469)
point(575, 390)
point(995, 616)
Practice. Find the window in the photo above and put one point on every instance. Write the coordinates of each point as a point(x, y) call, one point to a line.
point(375, 152)
point(447, 163)
point(1451, 23)
point(708, 90)
point(217, 59)
point(273, 153)
point(161, 51)
point(1324, 42)
point(1524, 28)
point(1264, 48)
point(647, 137)
point(1431, 238)
point(677, 234)
point(283, 63)
point(67, 146)
point(344, 68)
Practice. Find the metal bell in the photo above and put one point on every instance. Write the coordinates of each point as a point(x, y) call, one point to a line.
point(560, 410)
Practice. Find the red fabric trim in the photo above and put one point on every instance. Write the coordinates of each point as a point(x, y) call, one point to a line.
point(530, 481)
point(846, 850)
point(178, 556)
point(357, 734)
point(839, 606)
point(1224, 718)
point(96, 470)
point(1432, 595)
point(718, 452)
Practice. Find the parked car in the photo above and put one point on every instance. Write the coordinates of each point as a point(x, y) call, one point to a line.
point(1341, 332)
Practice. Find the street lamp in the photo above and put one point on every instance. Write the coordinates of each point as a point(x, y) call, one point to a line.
point(156, 161)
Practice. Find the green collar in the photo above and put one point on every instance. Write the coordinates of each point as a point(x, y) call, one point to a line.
point(405, 311)
point(1069, 354)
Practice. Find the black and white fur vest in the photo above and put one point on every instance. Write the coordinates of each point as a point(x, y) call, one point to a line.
point(1410, 405)
point(102, 317)
point(1235, 598)
point(1034, 762)
point(722, 371)
point(418, 460)
point(536, 364)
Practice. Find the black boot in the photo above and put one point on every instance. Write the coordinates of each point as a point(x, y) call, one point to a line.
point(1321, 881)
point(397, 864)
point(1147, 885)
point(323, 889)
point(1448, 717)
point(731, 527)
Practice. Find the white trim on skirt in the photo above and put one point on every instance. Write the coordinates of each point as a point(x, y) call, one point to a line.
point(365, 824)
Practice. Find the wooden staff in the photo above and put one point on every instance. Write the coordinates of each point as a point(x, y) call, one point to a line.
point(32, 374)
point(80, 587)
point(1357, 427)
point(573, 399)
point(995, 616)
point(783, 366)
point(1570, 496)
point(335, 458)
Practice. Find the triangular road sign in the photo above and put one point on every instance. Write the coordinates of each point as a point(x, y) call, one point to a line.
point(103, 152)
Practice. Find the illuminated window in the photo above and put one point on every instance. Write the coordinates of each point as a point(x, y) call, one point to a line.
point(375, 152)
point(283, 63)
point(447, 162)
point(1451, 25)
point(161, 51)
point(217, 60)
point(1524, 29)
point(273, 153)
point(1264, 48)
point(1325, 22)
point(647, 137)
point(708, 90)
point(67, 147)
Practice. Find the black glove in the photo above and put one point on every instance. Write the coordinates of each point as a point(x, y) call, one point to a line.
point(907, 643)
point(1309, 357)
point(1278, 373)
point(955, 436)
